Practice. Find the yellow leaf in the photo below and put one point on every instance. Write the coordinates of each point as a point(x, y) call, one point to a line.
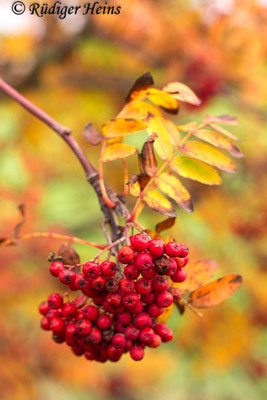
point(196, 170)
point(163, 318)
point(141, 84)
point(222, 119)
point(134, 186)
point(216, 292)
point(163, 99)
point(219, 141)
point(223, 131)
point(122, 126)
point(162, 144)
point(187, 127)
point(139, 110)
point(198, 273)
point(117, 151)
point(172, 131)
point(174, 189)
point(182, 92)
point(206, 153)
point(158, 202)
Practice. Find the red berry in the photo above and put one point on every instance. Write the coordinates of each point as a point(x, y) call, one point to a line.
point(90, 354)
point(52, 314)
point(126, 286)
point(72, 286)
point(181, 262)
point(137, 308)
point(91, 269)
point(142, 320)
point(80, 281)
point(45, 324)
point(91, 312)
point(108, 268)
point(148, 298)
point(159, 284)
point(66, 276)
point(99, 300)
point(56, 267)
point(44, 307)
point(83, 327)
point(113, 299)
point(126, 254)
point(71, 331)
point(150, 273)
point(131, 272)
point(119, 341)
point(143, 261)
point(154, 310)
point(164, 332)
point(146, 335)
point(112, 285)
point(179, 276)
point(69, 311)
point(114, 354)
point(142, 286)
point(131, 332)
point(137, 353)
point(156, 247)
point(173, 267)
point(139, 242)
point(164, 299)
point(77, 350)
point(156, 341)
point(125, 318)
point(57, 325)
point(99, 283)
point(184, 250)
point(173, 249)
point(130, 300)
point(129, 344)
point(104, 321)
point(55, 301)
point(94, 336)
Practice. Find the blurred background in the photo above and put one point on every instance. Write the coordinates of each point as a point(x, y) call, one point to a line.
point(79, 70)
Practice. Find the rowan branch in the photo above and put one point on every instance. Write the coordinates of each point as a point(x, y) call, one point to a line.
point(91, 173)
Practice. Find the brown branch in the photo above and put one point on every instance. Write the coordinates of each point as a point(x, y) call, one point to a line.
point(91, 173)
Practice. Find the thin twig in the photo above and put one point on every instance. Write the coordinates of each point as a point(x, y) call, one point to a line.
point(122, 239)
point(52, 235)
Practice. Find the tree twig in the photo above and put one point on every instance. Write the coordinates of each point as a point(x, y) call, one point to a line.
point(91, 173)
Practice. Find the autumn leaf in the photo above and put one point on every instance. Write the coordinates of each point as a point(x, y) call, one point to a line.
point(158, 202)
point(164, 225)
point(187, 127)
point(163, 99)
point(122, 126)
point(117, 151)
point(216, 292)
point(219, 141)
point(149, 162)
point(222, 119)
point(174, 189)
point(162, 144)
point(198, 273)
point(141, 84)
point(134, 186)
point(68, 254)
point(182, 92)
point(223, 131)
point(91, 135)
point(208, 154)
point(172, 131)
point(164, 317)
point(139, 110)
point(195, 170)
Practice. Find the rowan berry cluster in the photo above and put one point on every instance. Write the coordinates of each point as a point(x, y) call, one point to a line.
point(124, 302)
